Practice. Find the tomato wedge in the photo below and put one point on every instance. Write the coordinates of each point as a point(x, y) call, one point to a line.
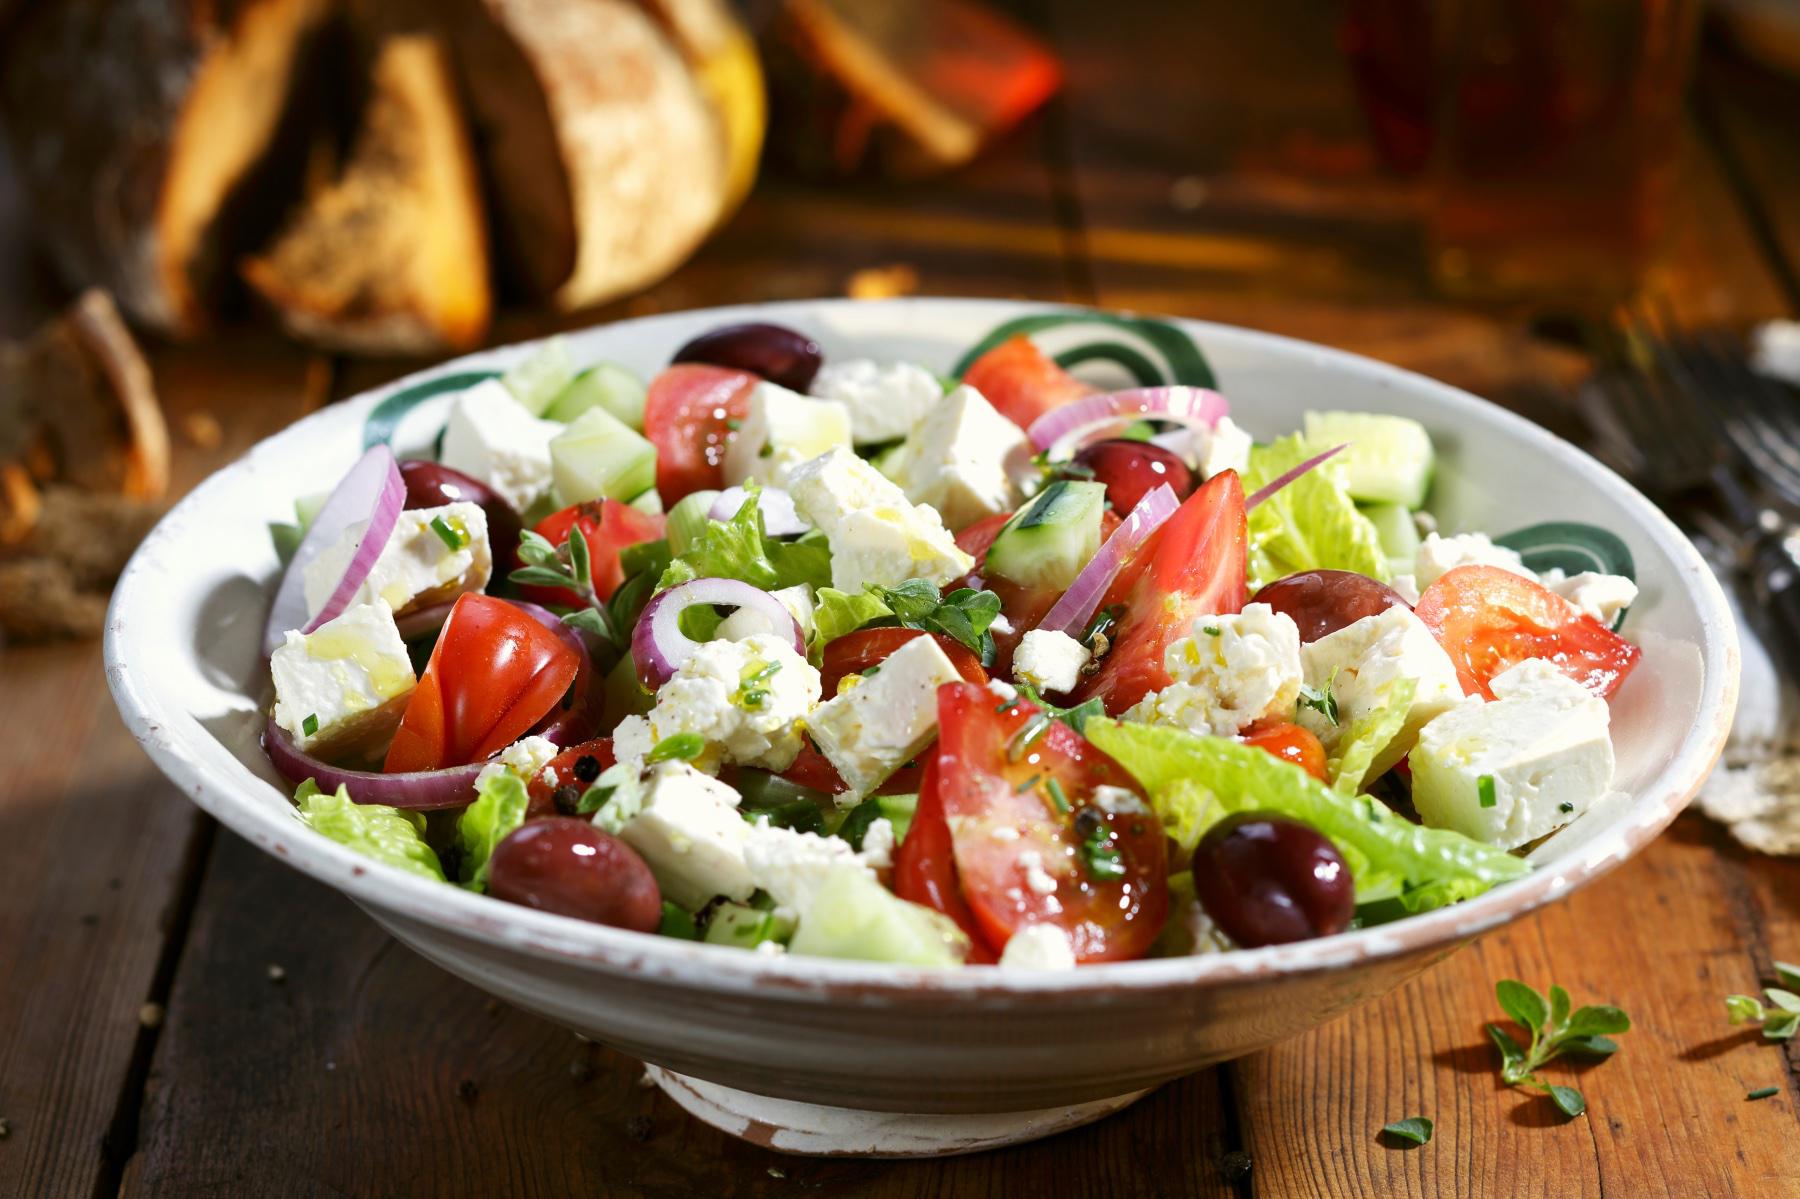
point(1031, 845)
point(1021, 382)
point(494, 673)
point(1289, 742)
point(609, 527)
point(563, 771)
point(1488, 619)
point(1193, 567)
point(925, 866)
point(690, 414)
point(856, 652)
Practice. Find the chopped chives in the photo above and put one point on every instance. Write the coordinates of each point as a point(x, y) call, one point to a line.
point(1027, 785)
point(1057, 796)
point(449, 534)
point(310, 725)
point(1484, 790)
point(679, 746)
point(1763, 1092)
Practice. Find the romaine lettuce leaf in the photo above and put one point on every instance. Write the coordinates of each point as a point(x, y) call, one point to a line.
point(739, 549)
point(838, 612)
point(1311, 524)
point(499, 808)
point(1356, 749)
point(389, 835)
point(1194, 781)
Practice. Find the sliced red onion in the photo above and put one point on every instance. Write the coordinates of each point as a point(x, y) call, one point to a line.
point(1071, 613)
point(451, 787)
point(780, 517)
point(1061, 430)
point(658, 645)
point(1288, 476)
point(372, 491)
point(580, 720)
point(425, 620)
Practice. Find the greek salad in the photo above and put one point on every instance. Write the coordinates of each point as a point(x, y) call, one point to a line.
point(848, 658)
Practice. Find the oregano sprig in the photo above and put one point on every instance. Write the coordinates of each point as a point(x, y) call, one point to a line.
point(1555, 1030)
point(571, 568)
point(1780, 1019)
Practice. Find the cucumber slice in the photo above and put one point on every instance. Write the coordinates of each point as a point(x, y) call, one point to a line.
point(541, 377)
point(887, 458)
point(853, 916)
point(648, 502)
point(688, 519)
point(746, 927)
point(606, 386)
point(1389, 459)
point(597, 457)
point(1049, 540)
point(1398, 533)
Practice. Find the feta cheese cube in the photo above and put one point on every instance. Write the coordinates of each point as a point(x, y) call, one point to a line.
point(792, 866)
point(955, 459)
point(1038, 947)
point(1228, 449)
point(885, 400)
point(417, 568)
point(1439, 555)
point(343, 687)
point(1360, 662)
point(781, 430)
point(1600, 596)
point(876, 534)
point(1049, 660)
point(871, 730)
point(746, 699)
point(493, 437)
point(1234, 671)
point(1509, 771)
point(688, 830)
point(878, 844)
point(747, 622)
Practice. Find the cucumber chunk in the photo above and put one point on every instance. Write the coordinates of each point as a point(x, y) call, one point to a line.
point(597, 457)
point(1389, 459)
point(648, 502)
point(541, 377)
point(607, 386)
point(853, 916)
point(1398, 533)
point(746, 927)
point(1050, 539)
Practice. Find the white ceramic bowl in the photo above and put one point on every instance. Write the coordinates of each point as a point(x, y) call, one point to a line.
point(182, 659)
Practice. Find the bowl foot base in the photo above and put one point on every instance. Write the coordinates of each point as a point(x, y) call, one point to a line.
point(810, 1129)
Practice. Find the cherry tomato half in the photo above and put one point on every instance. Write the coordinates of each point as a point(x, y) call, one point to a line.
point(570, 768)
point(690, 413)
point(925, 866)
point(1289, 742)
point(1021, 382)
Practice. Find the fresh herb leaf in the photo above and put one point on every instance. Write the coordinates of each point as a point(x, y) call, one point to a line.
point(310, 726)
point(1416, 1129)
point(1763, 1093)
point(1788, 974)
point(1596, 1020)
point(1321, 701)
point(536, 549)
point(683, 747)
point(1559, 1006)
point(1743, 1009)
point(1565, 807)
point(1484, 791)
point(1781, 1026)
point(1104, 862)
point(1568, 1099)
point(856, 824)
point(453, 536)
point(1075, 717)
point(677, 922)
point(569, 569)
point(540, 576)
point(1213, 630)
point(1595, 1047)
point(964, 615)
point(1510, 1050)
point(1522, 1003)
point(1787, 1001)
point(1554, 1031)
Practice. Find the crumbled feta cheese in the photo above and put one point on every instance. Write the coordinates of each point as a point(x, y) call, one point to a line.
point(1509, 771)
point(417, 567)
point(747, 622)
point(1049, 660)
point(727, 692)
point(1117, 801)
point(876, 534)
point(781, 430)
point(770, 949)
point(1360, 662)
point(1041, 881)
point(348, 681)
point(494, 438)
point(1228, 449)
point(878, 844)
point(885, 400)
point(792, 866)
point(955, 459)
point(1406, 587)
point(1234, 671)
point(1439, 555)
point(871, 730)
point(1002, 690)
point(688, 831)
point(1038, 947)
point(525, 758)
point(1600, 596)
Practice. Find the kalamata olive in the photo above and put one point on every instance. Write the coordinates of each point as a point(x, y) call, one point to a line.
point(1267, 880)
point(1324, 601)
point(567, 866)
point(1132, 469)
point(432, 485)
point(778, 354)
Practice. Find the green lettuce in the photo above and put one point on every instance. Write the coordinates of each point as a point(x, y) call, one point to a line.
point(964, 615)
point(838, 612)
point(389, 835)
point(1348, 765)
point(739, 549)
point(1311, 524)
point(1195, 781)
point(499, 808)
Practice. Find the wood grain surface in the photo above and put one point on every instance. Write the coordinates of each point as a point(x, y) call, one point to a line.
point(1208, 160)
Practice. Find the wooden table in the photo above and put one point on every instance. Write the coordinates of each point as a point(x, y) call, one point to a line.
point(181, 1015)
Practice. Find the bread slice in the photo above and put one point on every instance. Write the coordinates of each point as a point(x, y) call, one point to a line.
point(391, 256)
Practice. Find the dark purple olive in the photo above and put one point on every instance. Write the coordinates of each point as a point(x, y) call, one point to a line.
point(778, 354)
point(1324, 601)
point(1130, 470)
point(1268, 880)
point(432, 485)
point(567, 866)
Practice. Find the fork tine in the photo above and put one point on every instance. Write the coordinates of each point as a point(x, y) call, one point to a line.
point(1660, 422)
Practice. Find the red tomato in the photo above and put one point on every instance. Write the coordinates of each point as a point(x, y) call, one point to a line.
point(855, 652)
point(813, 769)
point(925, 866)
point(1488, 619)
point(1021, 382)
point(1289, 742)
point(494, 673)
point(562, 768)
point(1001, 807)
point(974, 539)
point(609, 527)
point(690, 413)
point(1194, 567)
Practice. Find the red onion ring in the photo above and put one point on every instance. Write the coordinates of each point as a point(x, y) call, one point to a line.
point(1059, 430)
point(659, 647)
point(780, 517)
point(372, 490)
point(425, 620)
point(581, 719)
point(1288, 476)
point(425, 790)
point(1071, 613)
